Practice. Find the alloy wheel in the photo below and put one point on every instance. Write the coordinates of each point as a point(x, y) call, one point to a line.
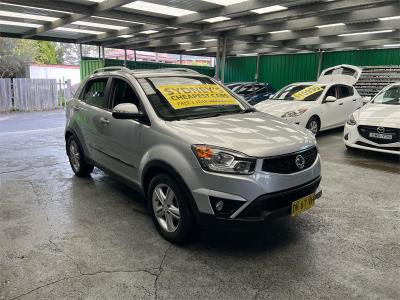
point(74, 155)
point(166, 207)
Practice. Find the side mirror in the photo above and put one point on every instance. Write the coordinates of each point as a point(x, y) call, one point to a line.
point(330, 99)
point(127, 111)
point(366, 100)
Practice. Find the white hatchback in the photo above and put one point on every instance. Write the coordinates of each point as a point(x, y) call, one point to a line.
point(314, 105)
point(376, 126)
point(320, 105)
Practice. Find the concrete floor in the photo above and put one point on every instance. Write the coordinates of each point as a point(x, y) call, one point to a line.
point(67, 237)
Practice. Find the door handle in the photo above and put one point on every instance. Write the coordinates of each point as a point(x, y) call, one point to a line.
point(354, 100)
point(105, 121)
point(341, 103)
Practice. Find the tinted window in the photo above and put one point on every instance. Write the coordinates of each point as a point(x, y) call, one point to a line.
point(122, 92)
point(94, 93)
point(345, 91)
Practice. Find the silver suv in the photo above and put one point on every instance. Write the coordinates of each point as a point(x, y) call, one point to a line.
point(198, 152)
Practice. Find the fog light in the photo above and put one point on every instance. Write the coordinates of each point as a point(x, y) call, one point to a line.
point(346, 136)
point(219, 205)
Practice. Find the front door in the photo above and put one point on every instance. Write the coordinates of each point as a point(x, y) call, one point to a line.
point(332, 110)
point(123, 137)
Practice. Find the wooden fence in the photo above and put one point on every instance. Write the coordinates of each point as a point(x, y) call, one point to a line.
point(5, 94)
point(27, 94)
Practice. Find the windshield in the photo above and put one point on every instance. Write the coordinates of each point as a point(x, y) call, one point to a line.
point(189, 97)
point(302, 92)
point(248, 89)
point(389, 96)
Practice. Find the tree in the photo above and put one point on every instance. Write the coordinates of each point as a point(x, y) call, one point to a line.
point(45, 53)
point(14, 55)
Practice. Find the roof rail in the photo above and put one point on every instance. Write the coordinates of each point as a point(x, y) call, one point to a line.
point(187, 70)
point(105, 69)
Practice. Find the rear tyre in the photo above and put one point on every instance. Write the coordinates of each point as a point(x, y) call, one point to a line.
point(77, 160)
point(313, 125)
point(170, 210)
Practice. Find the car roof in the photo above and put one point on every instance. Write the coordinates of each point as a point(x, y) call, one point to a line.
point(140, 73)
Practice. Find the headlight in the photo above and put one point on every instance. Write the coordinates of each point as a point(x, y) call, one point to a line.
point(295, 113)
point(221, 160)
point(351, 121)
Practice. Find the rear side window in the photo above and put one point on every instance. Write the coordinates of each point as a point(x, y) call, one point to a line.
point(345, 91)
point(94, 93)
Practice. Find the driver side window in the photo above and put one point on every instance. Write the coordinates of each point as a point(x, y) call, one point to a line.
point(122, 92)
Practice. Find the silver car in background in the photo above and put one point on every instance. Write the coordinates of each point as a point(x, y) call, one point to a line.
point(197, 152)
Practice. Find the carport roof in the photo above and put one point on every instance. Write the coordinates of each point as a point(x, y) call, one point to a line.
point(194, 27)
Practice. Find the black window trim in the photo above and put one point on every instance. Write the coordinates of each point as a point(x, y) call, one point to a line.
point(336, 92)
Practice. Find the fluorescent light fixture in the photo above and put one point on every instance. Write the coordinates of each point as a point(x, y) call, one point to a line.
point(216, 19)
point(171, 28)
point(225, 2)
point(148, 31)
point(392, 45)
point(98, 1)
point(76, 30)
point(185, 43)
point(279, 31)
point(209, 40)
point(330, 25)
point(118, 20)
point(390, 18)
point(98, 25)
point(269, 9)
point(366, 32)
point(21, 24)
point(158, 9)
point(247, 54)
point(196, 49)
point(125, 36)
point(11, 14)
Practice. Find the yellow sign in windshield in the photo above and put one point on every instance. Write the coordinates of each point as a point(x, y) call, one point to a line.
point(194, 95)
point(308, 91)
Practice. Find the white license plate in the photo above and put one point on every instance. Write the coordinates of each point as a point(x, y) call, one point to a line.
point(380, 136)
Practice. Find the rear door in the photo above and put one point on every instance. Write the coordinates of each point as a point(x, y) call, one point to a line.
point(346, 94)
point(94, 112)
point(346, 74)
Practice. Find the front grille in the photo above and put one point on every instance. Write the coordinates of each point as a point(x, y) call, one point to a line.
point(378, 147)
point(279, 200)
point(286, 164)
point(365, 130)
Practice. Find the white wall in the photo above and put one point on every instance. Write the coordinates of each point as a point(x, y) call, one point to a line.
point(55, 72)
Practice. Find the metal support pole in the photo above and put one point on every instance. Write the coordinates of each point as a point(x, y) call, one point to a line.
point(125, 57)
point(104, 54)
point(217, 60)
point(256, 76)
point(134, 54)
point(180, 58)
point(223, 61)
point(321, 53)
point(99, 52)
point(80, 51)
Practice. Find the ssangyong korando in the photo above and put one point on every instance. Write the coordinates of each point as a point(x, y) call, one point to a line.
point(196, 151)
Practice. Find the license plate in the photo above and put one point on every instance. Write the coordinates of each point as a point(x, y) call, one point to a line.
point(380, 136)
point(302, 204)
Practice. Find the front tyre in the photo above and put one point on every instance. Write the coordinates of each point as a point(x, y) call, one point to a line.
point(313, 125)
point(169, 209)
point(76, 159)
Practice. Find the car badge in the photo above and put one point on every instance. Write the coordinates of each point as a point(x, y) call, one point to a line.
point(300, 162)
point(380, 130)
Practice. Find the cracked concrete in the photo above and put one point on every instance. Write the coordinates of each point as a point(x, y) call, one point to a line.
point(66, 237)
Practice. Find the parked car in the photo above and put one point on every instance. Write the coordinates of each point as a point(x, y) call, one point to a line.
point(233, 86)
point(199, 153)
point(255, 92)
point(320, 105)
point(376, 126)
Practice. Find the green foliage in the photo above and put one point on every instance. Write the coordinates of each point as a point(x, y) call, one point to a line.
point(46, 52)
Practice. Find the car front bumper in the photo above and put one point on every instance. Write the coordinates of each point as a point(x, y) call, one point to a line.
point(255, 197)
point(353, 139)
